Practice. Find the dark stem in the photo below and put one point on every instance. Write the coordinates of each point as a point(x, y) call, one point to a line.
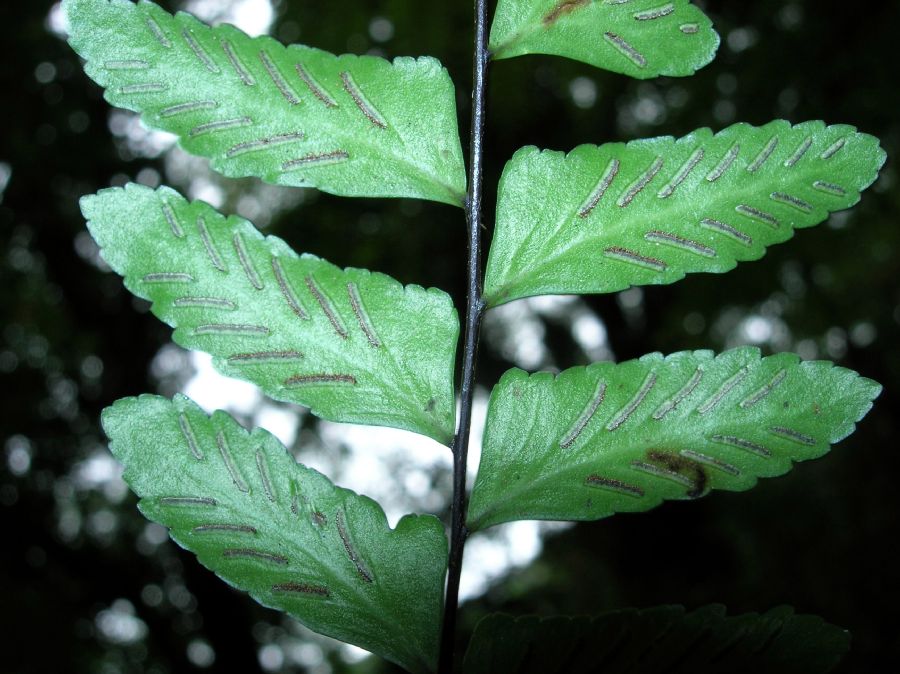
point(474, 313)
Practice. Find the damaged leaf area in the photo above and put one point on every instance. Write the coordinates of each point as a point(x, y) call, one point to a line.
point(638, 38)
point(607, 438)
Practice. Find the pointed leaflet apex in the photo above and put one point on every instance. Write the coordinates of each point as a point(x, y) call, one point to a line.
point(639, 38)
point(610, 438)
point(352, 345)
point(601, 219)
point(349, 125)
point(281, 531)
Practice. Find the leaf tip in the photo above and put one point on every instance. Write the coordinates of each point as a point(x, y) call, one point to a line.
point(104, 206)
point(87, 204)
point(873, 388)
point(109, 416)
point(869, 391)
point(120, 420)
point(73, 10)
point(69, 10)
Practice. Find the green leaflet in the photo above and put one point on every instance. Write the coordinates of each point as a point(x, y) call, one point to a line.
point(349, 125)
point(601, 219)
point(653, 641)
point(283, 532)
point(639, 38)
point(610, 438)
point(352, 345)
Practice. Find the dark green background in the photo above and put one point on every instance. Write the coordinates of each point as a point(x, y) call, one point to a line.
point(823, 538)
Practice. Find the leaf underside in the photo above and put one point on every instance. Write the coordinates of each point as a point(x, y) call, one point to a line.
point(349, 125)
point(610, 438)
point(283, 532)
point(639, 38)
point(352, 345)
point(654, 641)
point(601, 219)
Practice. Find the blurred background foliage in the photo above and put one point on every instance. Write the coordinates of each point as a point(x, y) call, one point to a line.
point(89, 586)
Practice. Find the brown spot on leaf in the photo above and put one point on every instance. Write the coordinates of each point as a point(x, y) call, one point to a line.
point(563, 8)
point(689, 468)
